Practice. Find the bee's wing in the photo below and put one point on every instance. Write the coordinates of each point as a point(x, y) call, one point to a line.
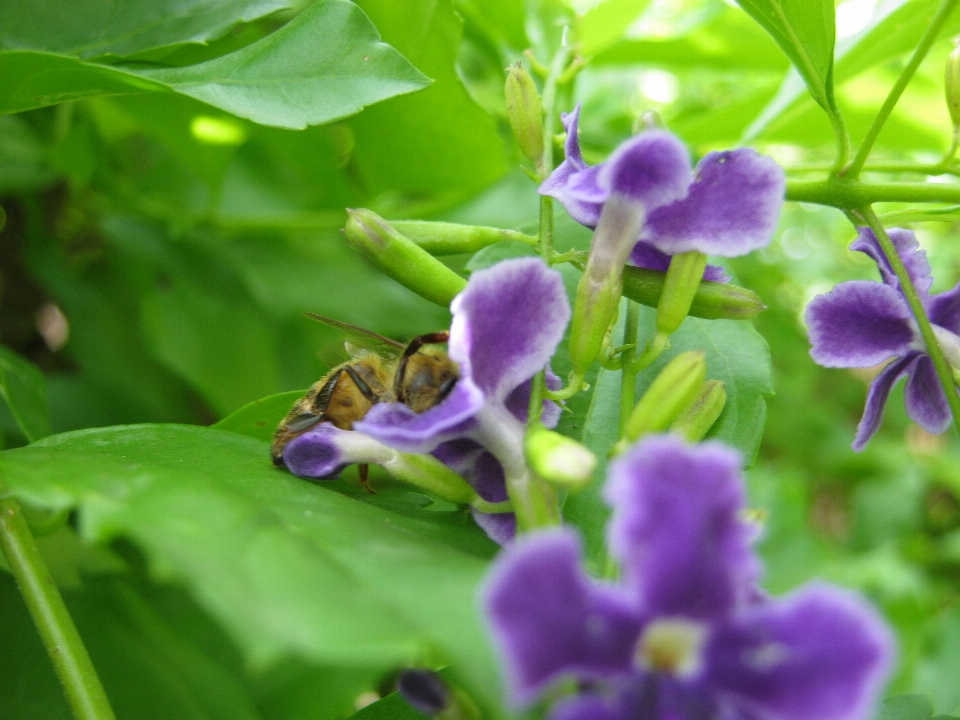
point(360, 339)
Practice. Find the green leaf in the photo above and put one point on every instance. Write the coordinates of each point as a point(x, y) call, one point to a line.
point(286, 566)
point(24, 390)
point(325, 64)
point(805, 31)
point(605, 23)
point(895, 29)
point(88, 28)
point(438, 141)
point(260, 418)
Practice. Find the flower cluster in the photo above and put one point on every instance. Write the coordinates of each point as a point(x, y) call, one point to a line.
point(686, 634)
point(862, 323)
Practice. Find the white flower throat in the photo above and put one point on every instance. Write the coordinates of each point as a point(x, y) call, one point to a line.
point(673, 646)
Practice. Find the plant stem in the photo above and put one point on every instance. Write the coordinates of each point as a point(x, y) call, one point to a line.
point(919, 312)
point(85, 694)
point(929, 36)
point(628, 380)
point(944, 167)
point(844, 194)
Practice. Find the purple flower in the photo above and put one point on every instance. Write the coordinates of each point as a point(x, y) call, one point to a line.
point(728, 206)
point(863, 323)
point(506, 325)
point(686, 634)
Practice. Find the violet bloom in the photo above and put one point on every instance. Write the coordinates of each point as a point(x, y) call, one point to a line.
point(685, 635)
point(506, 325)
point(861, 323)
point(728, 206)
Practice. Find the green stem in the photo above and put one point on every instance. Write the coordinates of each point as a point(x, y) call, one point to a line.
point(77, 675)
point(944, 372)
point(929, 36)
point(944, 167)
point(843, 194)
point(628, 380)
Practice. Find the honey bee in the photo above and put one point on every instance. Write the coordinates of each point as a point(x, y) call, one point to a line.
point(380, 370)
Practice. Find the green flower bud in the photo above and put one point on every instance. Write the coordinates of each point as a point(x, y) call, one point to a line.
point(401, 258)
point(683, 279)
point(524, 112)
point(559, 459)
point(951, 86)
point(712, 300)
point(668, 395)
point(441, 238)
point(696, 420)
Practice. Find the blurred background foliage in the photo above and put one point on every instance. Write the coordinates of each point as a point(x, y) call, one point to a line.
point(159, 253)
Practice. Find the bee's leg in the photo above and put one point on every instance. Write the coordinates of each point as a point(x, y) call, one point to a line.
point(361, 385)
point(413, 348)
point(364, 471)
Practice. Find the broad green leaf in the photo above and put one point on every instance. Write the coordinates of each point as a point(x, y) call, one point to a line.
point(23, 389)
point(30, 79)
point(604, 24)
point(286, 566)
point(88, 28)
point(805, 31)
point(325, 64)
point(736, 354)
point(438, 141)
point(895, 29)
point(259, 419)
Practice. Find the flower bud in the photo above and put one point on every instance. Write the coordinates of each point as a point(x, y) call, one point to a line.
point(696, 420)
point(424, 691)
point(679, 287)
point(559, 459)
point(401, 258)
point(668, 395)
point(712, 300)
point(951, 86)
point(524, 112)
point(442, 238)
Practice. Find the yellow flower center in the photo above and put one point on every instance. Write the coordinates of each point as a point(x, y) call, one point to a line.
point(672, 645)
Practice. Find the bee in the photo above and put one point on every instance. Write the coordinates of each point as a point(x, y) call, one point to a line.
point(380, 370)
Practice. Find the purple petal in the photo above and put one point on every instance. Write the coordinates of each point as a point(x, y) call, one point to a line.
point(518, 402)
point(821, 654)
point(676, 528)
point(593, 706)
point(506, 325)
point(323, 451)
point(924, 397)
point(499, 527)
point(647, 256)
point(944, 309)
point(398, 426)
point(877, 398)
point(652, 169)
point(908, 248)
point(562, 185)
point(731, 209)
point(571, 146)
point(562, 180)
point(549, 619)
point(859, 324)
